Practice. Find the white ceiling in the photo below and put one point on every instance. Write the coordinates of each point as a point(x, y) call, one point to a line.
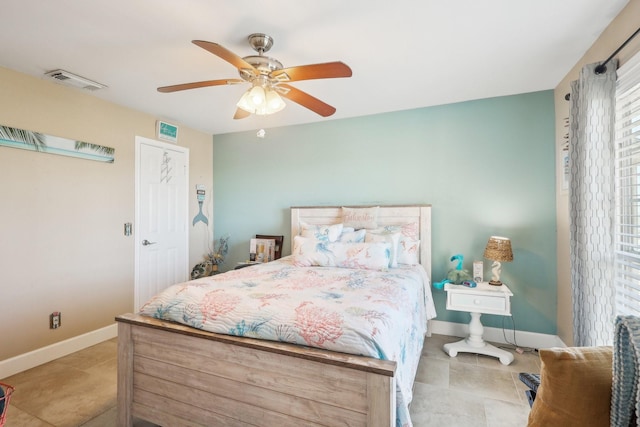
point(404, 54)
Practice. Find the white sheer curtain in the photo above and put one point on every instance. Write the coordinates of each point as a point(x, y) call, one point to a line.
point(591, 205)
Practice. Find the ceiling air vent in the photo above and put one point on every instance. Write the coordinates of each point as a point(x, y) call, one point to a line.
point(73, 80)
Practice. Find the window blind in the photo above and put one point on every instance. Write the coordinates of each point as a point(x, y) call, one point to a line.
point(627, 189)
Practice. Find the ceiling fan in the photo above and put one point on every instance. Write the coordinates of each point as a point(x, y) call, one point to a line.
point(268, 78)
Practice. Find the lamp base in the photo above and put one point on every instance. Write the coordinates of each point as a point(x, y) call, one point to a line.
point(495, 282)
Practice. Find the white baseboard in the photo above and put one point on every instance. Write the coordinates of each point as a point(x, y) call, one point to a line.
point(51, 352)
point(496, 335)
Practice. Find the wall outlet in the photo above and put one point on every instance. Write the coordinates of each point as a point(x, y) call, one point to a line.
point(55, 320)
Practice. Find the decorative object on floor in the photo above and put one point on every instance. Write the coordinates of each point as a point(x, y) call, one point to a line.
point(533, 382)
point(5, 395)
point(213, 260)
point(268, 79)
point(36, 141)
point(498, 250)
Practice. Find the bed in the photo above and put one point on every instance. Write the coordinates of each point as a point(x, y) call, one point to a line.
point(175, 373)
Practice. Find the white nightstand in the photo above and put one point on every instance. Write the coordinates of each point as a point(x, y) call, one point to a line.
point(486, 299)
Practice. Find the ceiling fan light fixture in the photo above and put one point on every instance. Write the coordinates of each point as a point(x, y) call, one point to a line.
point(258, 95)
point(245, 103)
point(261, 101)
point(274, 101)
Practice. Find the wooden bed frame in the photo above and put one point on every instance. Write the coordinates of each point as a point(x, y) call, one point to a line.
point(171, 374)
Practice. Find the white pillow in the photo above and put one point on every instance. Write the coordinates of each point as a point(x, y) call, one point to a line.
point(360, 217)
point(408, 251)
point(309, 252)
point(368, 256)
point(352, 236)
point(391, 238)
point(328, 233)
point(409, 244)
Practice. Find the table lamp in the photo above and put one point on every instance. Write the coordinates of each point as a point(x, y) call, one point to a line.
point(498, 250)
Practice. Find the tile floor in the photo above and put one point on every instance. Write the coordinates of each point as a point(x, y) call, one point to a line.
point(466, 391)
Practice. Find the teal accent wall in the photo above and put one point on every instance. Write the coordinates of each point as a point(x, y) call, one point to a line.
point(487, 167)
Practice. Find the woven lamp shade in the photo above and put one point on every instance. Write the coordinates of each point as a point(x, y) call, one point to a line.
point(498, 249)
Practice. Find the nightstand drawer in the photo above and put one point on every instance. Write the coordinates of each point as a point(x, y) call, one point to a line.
point(484, 298)
point(469, 302)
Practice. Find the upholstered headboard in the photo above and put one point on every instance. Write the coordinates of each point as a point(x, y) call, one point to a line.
point(387, 215)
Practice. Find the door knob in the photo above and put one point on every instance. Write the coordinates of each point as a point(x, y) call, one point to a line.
point(145, 242)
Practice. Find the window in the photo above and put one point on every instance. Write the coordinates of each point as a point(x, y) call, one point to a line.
point(627, 189)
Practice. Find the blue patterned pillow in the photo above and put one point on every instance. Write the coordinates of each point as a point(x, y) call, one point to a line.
point(393, 239)
point(327, 233)
point(409, 243)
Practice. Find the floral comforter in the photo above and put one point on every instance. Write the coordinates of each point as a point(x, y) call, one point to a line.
point(363, 312)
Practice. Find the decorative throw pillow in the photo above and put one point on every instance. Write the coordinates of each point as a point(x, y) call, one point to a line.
point(385, 237)
point(575, 387)
point(409, 243)
point(308, 252)
point(328, 233)
point(368, 256)
point(408, 251)
point(352, 236)
point(360, 217)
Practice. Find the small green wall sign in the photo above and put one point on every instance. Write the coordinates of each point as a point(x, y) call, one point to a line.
point(167, 131)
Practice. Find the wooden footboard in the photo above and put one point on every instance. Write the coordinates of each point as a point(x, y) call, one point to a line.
point(171, 374)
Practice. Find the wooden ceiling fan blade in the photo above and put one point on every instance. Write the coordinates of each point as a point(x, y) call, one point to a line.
point(241, 114)
point(306, 100)
point(327, 70)
point(195, 85)
point(226, 54)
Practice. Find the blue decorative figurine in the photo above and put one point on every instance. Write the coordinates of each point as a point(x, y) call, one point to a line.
point(456, 275)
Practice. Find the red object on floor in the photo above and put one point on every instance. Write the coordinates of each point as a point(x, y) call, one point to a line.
point(5, 395)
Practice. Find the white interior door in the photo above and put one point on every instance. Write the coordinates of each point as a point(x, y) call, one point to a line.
point(162, 208)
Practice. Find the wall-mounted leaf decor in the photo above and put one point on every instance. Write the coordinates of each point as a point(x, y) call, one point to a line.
point(36, 141)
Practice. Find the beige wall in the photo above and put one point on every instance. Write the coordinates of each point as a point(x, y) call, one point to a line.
point(62, 245)
point(625, 24)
